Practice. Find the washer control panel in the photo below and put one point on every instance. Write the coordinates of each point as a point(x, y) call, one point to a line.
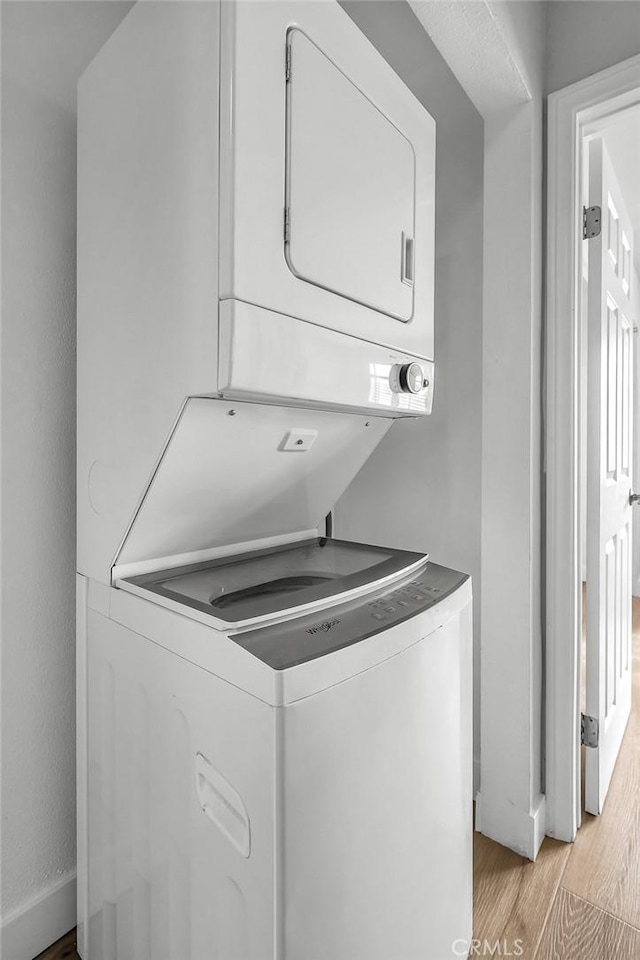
point(296, 641)
point(410, 598)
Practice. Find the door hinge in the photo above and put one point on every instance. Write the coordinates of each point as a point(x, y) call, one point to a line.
point(589, 730)
point(287, 225)
point(287, 68)
point(591, 222)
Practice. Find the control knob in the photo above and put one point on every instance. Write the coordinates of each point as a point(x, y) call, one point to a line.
point(409, 378)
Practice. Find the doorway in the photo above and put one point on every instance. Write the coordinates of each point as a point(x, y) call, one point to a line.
point(608, 311)
point(602, 106)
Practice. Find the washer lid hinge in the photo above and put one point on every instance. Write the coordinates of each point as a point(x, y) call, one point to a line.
point(589, 730)
point(591, 222)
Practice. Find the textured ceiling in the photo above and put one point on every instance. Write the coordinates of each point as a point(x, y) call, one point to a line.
point(473, 40)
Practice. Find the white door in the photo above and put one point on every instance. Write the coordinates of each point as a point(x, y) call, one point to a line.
point(350, 187)
point(609, 459)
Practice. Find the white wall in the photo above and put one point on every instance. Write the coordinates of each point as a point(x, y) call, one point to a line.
point(586, 36)
point(421, 488)
point(44, 48)
point(511, 808)
point(498, 51)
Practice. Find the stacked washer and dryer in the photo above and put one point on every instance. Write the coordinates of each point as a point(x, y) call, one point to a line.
point(274, 726)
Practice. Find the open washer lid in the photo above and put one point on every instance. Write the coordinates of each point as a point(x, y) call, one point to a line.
point(236, 477)
point(275, 584)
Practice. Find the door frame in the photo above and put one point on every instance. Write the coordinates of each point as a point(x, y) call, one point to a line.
point(572, 113)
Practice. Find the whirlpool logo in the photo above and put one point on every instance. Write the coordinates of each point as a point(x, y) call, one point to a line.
point(323, 627)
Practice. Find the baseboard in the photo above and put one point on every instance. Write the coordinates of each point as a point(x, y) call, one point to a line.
point(33, 928)
point(519, 830)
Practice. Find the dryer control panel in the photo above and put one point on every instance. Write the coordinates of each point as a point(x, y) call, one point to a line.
point(297, 641)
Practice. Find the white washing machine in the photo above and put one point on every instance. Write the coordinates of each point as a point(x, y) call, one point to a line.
point(274, 728)
point(277, 772)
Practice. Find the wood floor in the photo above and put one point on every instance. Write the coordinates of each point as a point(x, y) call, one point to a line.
point(578, 901)
point(64, 949)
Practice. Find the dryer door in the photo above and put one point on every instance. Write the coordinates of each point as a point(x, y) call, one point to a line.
point(327, 178)
point(350, 187)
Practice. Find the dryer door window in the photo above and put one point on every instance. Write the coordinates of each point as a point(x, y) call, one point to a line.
point(350, 185)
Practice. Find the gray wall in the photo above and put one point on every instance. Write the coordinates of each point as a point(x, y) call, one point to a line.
point(44, 47)
point(421, 488)
point(586, 36)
